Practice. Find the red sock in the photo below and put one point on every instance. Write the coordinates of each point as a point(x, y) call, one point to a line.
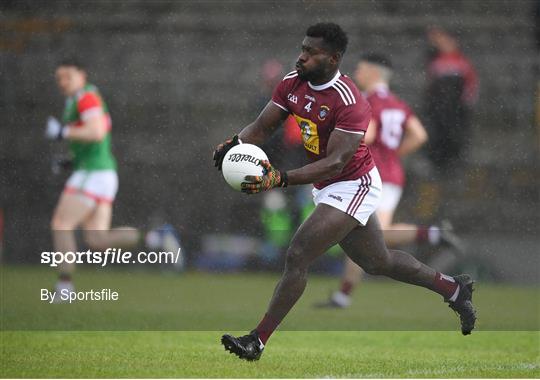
point(445, 285)
point(422, 235)
point(266, 327)
point(346, 287)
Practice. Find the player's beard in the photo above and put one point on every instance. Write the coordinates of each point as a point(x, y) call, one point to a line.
point(311, 76)
point(302, 74)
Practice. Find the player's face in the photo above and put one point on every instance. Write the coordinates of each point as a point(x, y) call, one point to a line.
point(315, 62)
point(366, 74)
point(361, 75)
point(70, 79)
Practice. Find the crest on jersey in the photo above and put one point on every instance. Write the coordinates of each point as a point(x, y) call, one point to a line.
point(323, 112)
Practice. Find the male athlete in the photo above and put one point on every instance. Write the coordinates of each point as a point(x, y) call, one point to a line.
point(394, 132)
point(90, 191)
point(333, 117)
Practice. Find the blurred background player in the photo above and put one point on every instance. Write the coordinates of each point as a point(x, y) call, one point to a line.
point(393, 133)
point(90, 191)
point(451, 94)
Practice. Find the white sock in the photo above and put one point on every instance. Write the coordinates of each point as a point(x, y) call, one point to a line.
point(341, 299)
point(62, 284)
point(434, 235)
point(153, 239)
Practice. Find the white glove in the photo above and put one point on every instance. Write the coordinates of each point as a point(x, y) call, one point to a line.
point(54, 130)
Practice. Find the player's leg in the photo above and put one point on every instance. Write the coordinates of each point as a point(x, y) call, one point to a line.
point(70, 211)
point(324, 228)
point(365, 246)
point(393, 235)
point(98, 234)
point(101, 186)
point(352, 273)
point(400, 234)
point(435, 235)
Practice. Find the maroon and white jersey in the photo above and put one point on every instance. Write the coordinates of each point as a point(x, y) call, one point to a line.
point(390, 114)
point(319, 110)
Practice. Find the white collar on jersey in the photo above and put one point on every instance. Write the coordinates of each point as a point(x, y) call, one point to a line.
point(326, 85)
point(381, 87)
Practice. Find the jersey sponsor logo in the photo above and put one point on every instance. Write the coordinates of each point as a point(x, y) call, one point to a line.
point(310, 134)
point(309, 97)
point(292, 98)
point(323, 112)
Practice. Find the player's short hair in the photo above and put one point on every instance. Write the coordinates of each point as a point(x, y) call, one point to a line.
point(377, 59)
point(332, 34)
point(383, 63)
point(72, 62)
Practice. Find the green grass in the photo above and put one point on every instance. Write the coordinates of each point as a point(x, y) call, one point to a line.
point(289, 354)
point(222, 303)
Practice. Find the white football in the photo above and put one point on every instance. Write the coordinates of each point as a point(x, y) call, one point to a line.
point(240, 161)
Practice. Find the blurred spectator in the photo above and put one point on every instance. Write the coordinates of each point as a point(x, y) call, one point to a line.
point(451, 94)
point(278, 226)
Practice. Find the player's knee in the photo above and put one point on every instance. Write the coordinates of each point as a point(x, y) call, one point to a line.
point(94, 239)
point(379, 266)
point(295, 258)
point(61, 224)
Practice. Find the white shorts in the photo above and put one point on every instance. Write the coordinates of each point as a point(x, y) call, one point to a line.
point(391, 194)
point(359, 198)
point(95, 185)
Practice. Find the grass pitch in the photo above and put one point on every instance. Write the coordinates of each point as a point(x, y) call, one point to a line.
point(221, 303)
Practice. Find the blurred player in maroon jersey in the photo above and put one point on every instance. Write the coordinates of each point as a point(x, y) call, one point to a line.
point(333, 117)
point(394, 132)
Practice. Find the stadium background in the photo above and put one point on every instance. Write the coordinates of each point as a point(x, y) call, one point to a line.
point(179, 77)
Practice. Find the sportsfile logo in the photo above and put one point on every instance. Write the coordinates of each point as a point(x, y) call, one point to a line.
point(238, 157)
point(110, 256)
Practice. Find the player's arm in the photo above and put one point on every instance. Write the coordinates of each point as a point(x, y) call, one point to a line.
point(415, 136)
point(94, 122)
point(371, 132)
point(264, 126)
point(341, 147)
point(255, 133)
point(93, 129)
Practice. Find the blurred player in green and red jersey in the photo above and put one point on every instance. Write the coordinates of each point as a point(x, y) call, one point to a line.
point(90, 191)
point(394, 132)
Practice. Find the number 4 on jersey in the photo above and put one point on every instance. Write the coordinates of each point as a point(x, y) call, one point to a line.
point(308, 107)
